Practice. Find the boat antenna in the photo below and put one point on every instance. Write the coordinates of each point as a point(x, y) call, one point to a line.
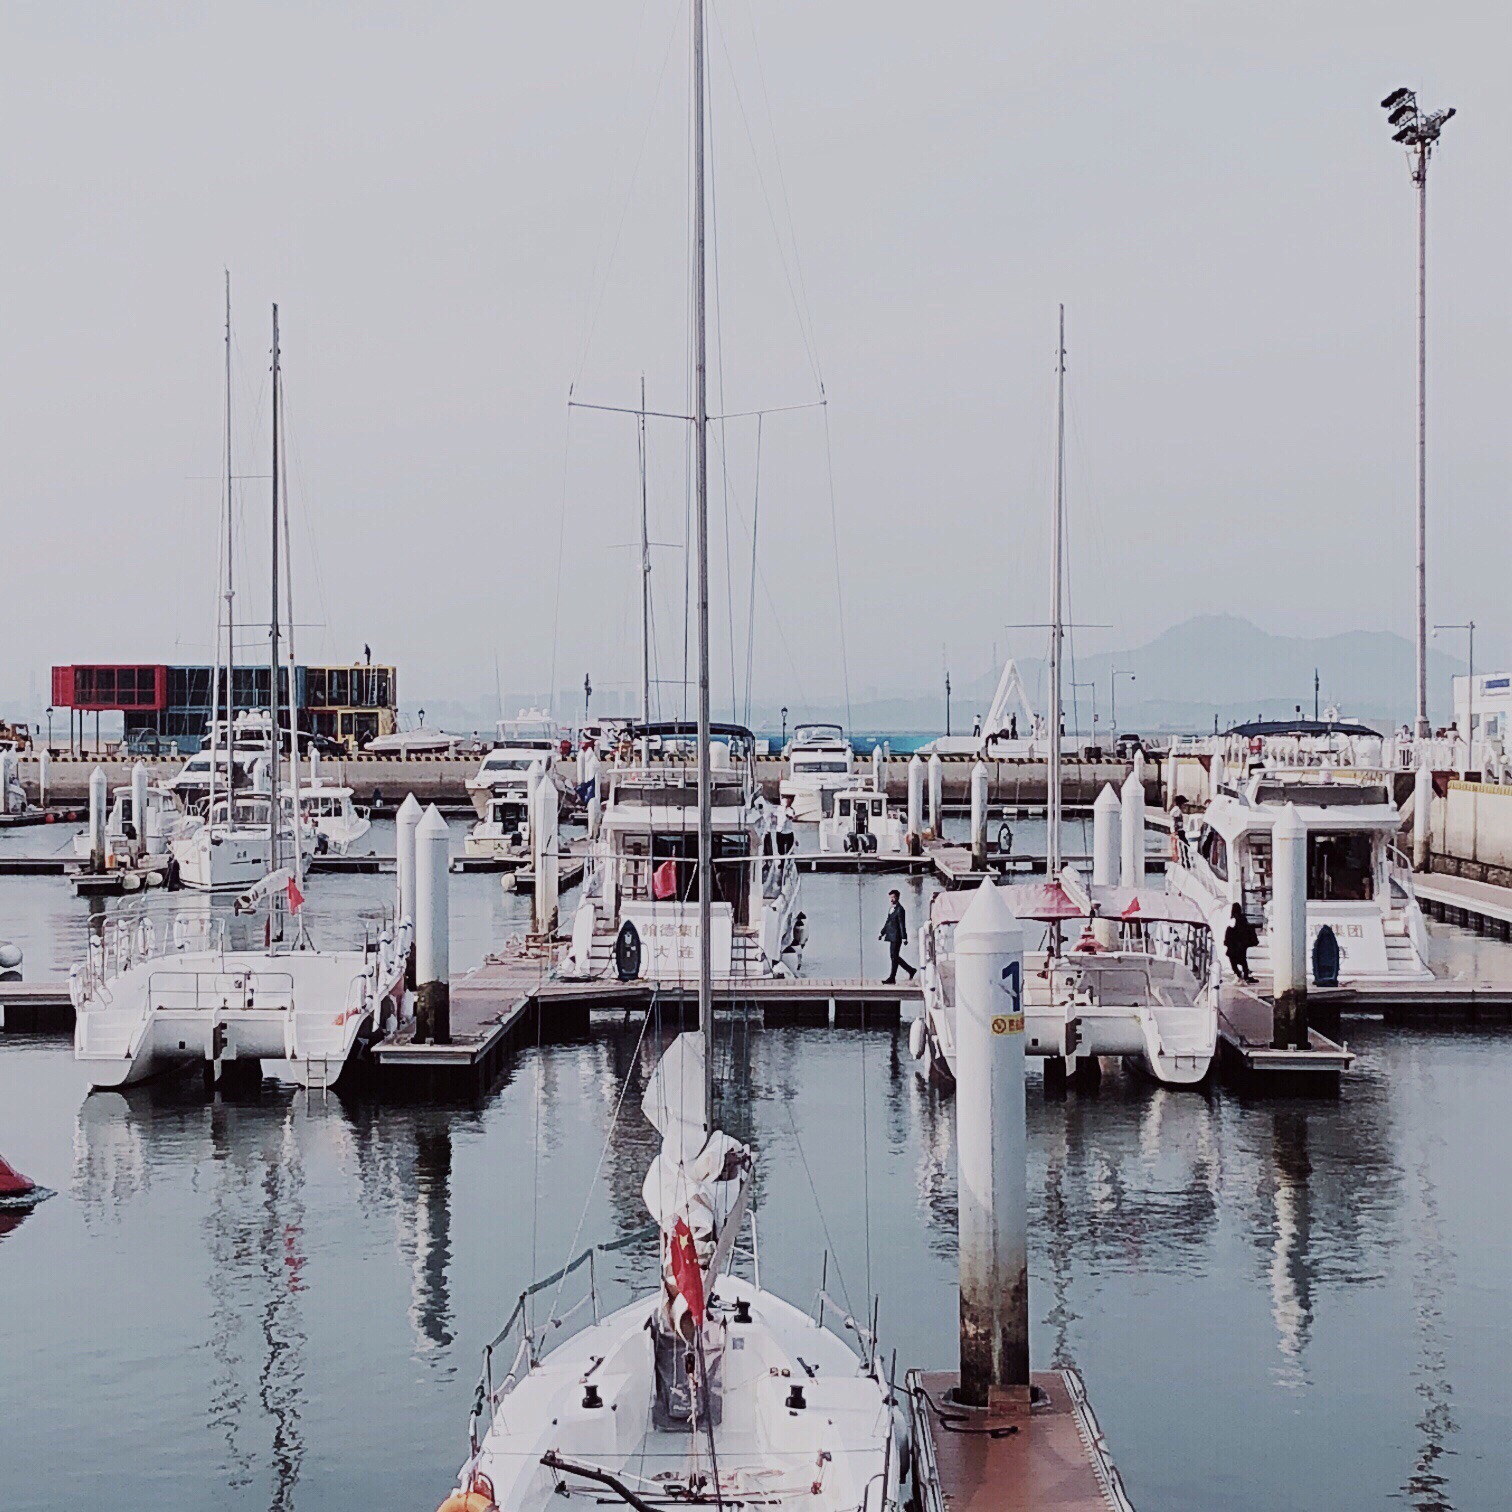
point(701, 511)
point(1057, 617)
point(276, 754)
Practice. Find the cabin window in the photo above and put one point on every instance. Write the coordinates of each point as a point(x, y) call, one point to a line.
point(1214, 850)
point(819, 766)
point(877, 807)
point(845, 808)
point(1340, 868)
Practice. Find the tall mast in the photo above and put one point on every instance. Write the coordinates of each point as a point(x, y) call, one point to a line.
point(1057, 625)
point(277, 752)
point(230, 596)
point(297, 839)
point(645, 545)
point(701, 479)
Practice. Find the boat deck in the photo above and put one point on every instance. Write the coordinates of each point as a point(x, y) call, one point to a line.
point(1246, 1025)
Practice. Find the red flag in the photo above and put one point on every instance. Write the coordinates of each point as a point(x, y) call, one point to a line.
point(296, 898)
point(664, 880)
point(686, 1272)
point(1132, 909)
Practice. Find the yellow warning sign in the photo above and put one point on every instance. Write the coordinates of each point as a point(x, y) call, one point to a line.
point(1008, 1023)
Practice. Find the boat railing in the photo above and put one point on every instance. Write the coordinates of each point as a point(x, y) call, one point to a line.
point(530, 1341)
point(198, 991)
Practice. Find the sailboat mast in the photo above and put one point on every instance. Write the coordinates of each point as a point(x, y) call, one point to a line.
point(645, 545)
point(1057, 614)
point(277, 752)
point(224, 669)
point(701, 478)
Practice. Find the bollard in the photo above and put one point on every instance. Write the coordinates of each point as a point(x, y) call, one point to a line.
point(1288, 931)
point(544, 862)
point(879, 771)
point(915, 795)
point(1106, 846)
point(405, 824)
point(432, 930)
point(314, 766)
point(979, 817)
point(44, 777)
point(936, 787)
point(1133, 849)
point(990, 1154)
point(139, 809)
point(1422, 816)
point(97, 819)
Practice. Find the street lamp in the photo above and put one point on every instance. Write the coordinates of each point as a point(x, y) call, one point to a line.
point(1469, 628)
point(49, 726)
point(1117, 673)
point(784, 726)
point(947, 705)
point(1418, 132)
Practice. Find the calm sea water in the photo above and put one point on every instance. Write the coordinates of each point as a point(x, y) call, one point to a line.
point(280, 1303)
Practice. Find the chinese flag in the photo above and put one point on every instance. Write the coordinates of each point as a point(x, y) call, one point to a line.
point(664, 880)
point(295, 896)
point(685, 1271)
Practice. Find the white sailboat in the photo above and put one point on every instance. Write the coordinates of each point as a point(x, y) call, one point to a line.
point(144, 1006)
point(710, 1390)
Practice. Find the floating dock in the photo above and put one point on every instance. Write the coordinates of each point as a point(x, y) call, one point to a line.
point(1047, 1457)
point(1248, 1059)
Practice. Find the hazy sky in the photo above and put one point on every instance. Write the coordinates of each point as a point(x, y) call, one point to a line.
point(465, 209)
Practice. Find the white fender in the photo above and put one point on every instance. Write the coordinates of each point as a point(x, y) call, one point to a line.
point(918, 1038)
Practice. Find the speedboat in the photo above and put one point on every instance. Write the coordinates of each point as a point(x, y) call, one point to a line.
point(533, 736)
point(638, 913)
point(503, 831)
point(860, 822)
point(1359, 883)
point(820, 762)
point(1139, 981)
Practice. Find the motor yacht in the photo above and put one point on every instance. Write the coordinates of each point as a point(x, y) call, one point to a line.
point(166, 820)
point(532, 737)
point(861, 822)
point(1129, 972)
point(820, 762)
point(1359, 883)
point(638, 913)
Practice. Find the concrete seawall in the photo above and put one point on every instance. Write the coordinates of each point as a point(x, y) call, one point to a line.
point(442, 779)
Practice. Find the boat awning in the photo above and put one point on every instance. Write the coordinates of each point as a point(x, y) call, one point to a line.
point(1049, 903)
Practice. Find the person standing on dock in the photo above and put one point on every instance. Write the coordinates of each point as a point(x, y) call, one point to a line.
point(895, 932)
point(1238, 939)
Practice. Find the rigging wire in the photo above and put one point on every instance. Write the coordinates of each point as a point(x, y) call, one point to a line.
point(751, 595)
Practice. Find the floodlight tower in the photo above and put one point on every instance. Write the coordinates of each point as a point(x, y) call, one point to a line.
point(1418, 131)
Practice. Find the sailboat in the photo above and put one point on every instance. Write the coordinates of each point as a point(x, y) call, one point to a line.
point(1140, 980)
point(709, 1390)
point(144, 1006)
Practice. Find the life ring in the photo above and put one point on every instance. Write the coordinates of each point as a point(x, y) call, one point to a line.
point(1256, 745)
point(478, 1496)
point(1005, 839)
point(627, 952)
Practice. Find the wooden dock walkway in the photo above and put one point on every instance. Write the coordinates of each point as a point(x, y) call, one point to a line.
point(1481, 906)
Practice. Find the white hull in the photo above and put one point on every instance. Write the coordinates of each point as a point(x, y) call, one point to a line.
point(222, 860)
point(303, 1013)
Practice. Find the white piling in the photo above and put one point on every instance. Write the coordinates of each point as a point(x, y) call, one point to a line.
point(544, 861)
point(979, 816)
point(879, 768)
point(1288, 933)
point(936, 790)
point(1107, 844)
point(97, 790)
point(139, 808)
point(6, 762)
point(432, 930)
point(1422, 816)
point(990, 1153)
point(44, 777)
point(406, 821)
point(915, 795)
point(1133, 837)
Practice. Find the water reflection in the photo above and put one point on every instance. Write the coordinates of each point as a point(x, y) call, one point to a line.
point(1291, 1272)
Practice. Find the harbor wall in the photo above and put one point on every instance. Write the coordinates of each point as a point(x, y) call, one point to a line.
point(442, 779)
point(1471, 831)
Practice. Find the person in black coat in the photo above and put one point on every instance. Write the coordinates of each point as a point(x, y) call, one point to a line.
point(895, 932)
point(1238, 939)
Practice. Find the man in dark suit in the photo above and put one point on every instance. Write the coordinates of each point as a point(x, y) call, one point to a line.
point(895, 932)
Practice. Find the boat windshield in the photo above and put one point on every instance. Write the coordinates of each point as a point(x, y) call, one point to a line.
point(811, 765)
